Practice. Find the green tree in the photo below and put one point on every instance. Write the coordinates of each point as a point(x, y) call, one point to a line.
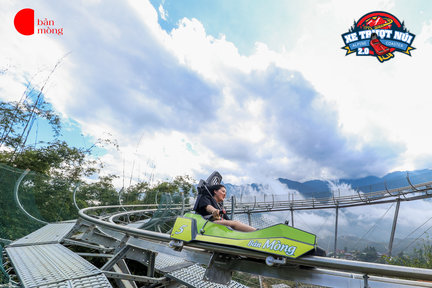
point(134, 194)
point(46, 192)
point(18, 117)
point(56, 159)
point(369, 254)
point(57, 168)
point(100, 193)
point(421, 258)
point(180, 184)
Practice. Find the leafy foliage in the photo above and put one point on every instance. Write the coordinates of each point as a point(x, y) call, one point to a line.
point(369, 254)
point(100, 193)
point(421, 258)
point(18, 118)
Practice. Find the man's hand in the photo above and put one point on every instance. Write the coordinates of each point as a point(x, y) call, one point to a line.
point(215, 214)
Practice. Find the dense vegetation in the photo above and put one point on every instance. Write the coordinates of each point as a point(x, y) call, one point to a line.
point(421, 258)
point(418, 257)
point(56, 169)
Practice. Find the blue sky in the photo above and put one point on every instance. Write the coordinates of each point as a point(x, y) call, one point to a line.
point(245, 22)
point(241, 22)
point(258, 90)
point(71, 133)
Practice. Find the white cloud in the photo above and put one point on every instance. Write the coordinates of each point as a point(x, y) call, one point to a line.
point(24, 58)
point(162, 12)
point(305, 113)
point(375, 101)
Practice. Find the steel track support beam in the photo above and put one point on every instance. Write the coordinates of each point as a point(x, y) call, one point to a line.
point(86, 245)
point(92, 235)
point(120, 254)
point(217, 270)
point(394, 227)
point(136, 278)
point(151, 263)
point(121, 267)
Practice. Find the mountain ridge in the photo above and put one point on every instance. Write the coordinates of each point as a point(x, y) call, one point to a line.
point(322, 189)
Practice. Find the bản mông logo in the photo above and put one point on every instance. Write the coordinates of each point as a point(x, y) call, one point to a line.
point(24, 23)
point(378, 34)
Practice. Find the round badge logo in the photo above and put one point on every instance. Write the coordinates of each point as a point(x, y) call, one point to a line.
point(378, 34)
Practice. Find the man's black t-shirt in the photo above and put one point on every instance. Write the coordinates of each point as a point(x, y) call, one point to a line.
point(206, 200)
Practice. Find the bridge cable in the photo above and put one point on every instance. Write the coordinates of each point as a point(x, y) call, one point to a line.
point(373, 227)
point(323, 224)
point(415, 240)
point(304, 222)
point(412, 232)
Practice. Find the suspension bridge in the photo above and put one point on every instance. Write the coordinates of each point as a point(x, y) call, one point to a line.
point(98, 248)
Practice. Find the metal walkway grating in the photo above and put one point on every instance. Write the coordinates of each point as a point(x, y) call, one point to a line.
point(49, 234)
point(98, 281)
point(192, 276)
point(168, 263)
point(52, 265)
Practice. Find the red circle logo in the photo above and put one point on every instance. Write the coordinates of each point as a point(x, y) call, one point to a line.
point(24, 21)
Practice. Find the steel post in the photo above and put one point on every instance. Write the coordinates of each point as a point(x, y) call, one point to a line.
point(232, 207)
point(151, 264)
point(394, 227)
point(183, 203)
point(292, 217)
point(366, 282)
point(336, 231)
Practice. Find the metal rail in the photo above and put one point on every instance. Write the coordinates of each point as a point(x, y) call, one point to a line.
point(248, 258)
point(17, 184)
point(311, 261)
point(408, 193)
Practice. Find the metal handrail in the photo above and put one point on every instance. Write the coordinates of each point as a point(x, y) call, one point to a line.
point(17, 184)
point(312, 261)
point(378, 197)
point(74, 196)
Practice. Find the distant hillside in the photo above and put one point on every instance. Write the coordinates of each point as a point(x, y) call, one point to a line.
point(355, 243)
point(249, 189)
point(352, 234)
point(320, 188)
